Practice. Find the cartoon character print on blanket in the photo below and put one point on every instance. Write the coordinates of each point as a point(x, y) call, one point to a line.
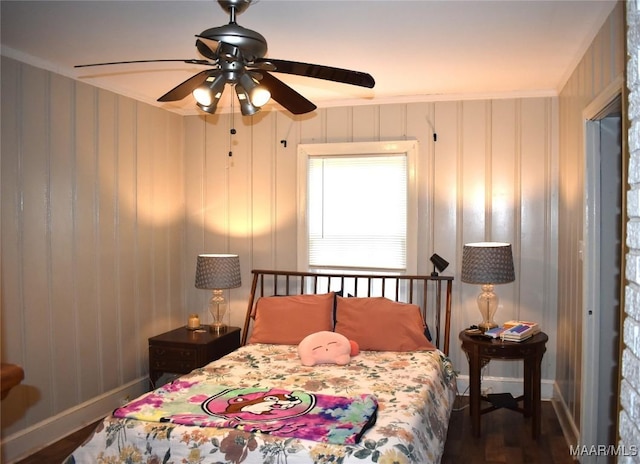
point(263, 411)
point(257, 403)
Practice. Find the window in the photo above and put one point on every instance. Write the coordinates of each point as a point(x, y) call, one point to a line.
point(358, 207)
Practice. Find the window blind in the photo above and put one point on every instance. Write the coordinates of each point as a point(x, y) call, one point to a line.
point(357, 211)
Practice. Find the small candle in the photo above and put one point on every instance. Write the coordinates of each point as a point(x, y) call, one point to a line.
point(194, 321)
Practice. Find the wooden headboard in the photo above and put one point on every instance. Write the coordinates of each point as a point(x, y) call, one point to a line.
point(422, 290)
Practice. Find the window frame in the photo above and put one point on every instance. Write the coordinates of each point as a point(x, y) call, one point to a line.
point(407, 147)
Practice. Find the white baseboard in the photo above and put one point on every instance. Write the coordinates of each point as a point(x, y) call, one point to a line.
point(26, 442)
point(505, 385)
point(569, 428)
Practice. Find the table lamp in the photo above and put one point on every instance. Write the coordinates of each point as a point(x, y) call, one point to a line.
point(217, 272)
point(487, 264)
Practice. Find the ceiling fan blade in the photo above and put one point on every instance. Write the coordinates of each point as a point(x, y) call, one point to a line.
point(285, 95)
point(185, 88)
point(317, 71)
point(188, 61)
point(204, 50)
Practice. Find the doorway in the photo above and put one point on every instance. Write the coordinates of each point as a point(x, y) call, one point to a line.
point(602, 270)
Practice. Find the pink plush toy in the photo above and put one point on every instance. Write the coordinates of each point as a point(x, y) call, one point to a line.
point(326, 348)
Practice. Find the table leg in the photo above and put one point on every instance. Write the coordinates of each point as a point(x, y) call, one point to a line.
point(536, 400)
point(474, 391)
point(528, 386)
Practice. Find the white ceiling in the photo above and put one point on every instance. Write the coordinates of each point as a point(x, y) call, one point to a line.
point(415, 50)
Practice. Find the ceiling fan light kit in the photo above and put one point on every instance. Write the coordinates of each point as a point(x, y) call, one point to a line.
point(236, 56)
point(208, 94)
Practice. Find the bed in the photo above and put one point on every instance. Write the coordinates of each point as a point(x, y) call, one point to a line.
point(390, 403)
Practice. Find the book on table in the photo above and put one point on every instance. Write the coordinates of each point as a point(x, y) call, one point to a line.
point(518, 331)
point(495, 332)
point(515, 322)
point(514, 331)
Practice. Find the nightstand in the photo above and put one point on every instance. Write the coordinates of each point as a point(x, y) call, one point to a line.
point(182, 350)
point(480, 350)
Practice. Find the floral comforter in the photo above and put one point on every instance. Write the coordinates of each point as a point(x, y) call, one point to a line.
point(414, 390)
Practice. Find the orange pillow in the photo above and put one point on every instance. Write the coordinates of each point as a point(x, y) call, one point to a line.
point(286, 320)
point(380, 324)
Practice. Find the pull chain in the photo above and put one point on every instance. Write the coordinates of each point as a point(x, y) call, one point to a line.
point(232, 130)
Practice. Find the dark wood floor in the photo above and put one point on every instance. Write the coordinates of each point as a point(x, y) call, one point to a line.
point(506, 438)
point(58, 452)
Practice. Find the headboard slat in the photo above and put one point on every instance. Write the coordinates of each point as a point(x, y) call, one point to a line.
point(405, 288)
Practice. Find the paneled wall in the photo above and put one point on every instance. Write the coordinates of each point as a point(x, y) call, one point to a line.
point(92, 239)
point(489, 175)
point(600, 66)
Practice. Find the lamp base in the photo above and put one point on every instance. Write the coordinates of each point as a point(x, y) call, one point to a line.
point(218, 327)
point(218, 309)
point(486, 325)
point(487, 305)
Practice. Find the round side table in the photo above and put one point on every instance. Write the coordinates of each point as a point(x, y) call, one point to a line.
point(480, 350)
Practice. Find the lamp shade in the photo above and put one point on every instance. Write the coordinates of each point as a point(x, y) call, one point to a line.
point(487, 263)
point(218, 271)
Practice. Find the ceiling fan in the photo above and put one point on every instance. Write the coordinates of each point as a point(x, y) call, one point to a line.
point(236, 56)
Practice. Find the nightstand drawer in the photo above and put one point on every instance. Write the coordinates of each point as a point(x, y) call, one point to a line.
point(173, 365)
point(167, 353)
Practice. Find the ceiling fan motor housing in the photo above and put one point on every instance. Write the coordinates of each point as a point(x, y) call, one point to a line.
point(252, 43)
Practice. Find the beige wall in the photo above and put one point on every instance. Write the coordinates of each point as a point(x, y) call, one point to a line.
point(600, 66)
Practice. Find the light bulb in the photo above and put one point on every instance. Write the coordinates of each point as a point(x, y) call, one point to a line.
point(203, 95)
point(259, 96)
